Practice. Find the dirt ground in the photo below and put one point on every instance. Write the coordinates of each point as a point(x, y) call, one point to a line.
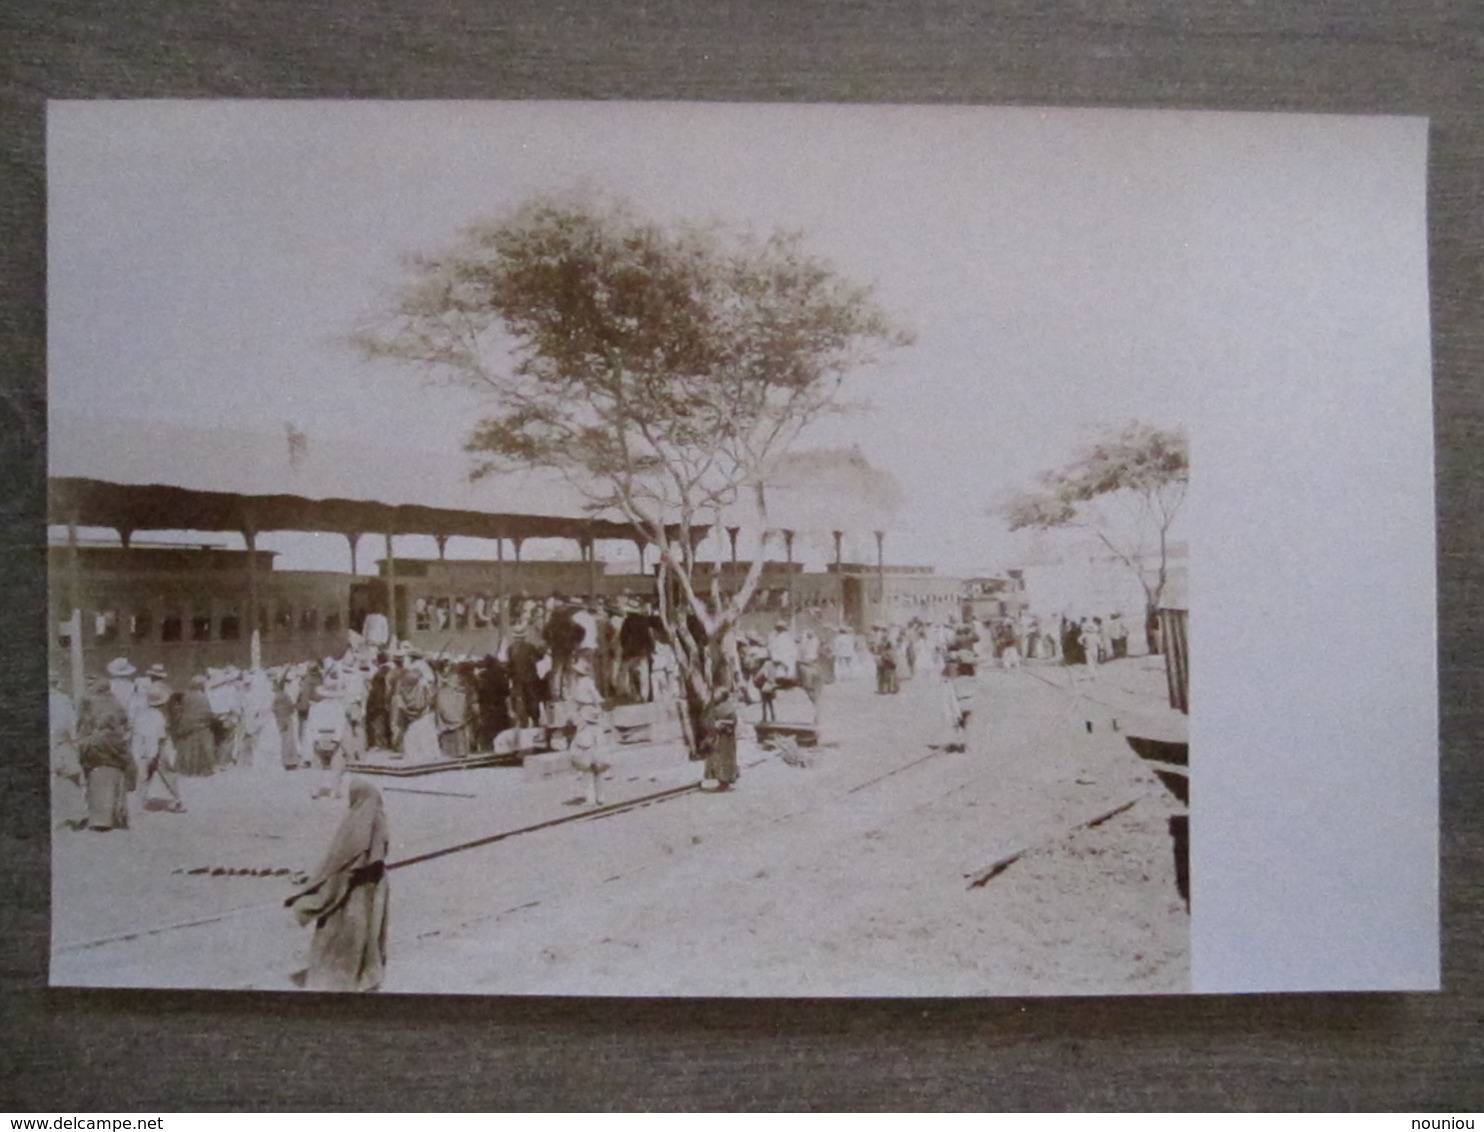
point(1038, 862)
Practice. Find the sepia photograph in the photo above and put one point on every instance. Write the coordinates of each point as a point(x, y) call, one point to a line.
point(719, 550)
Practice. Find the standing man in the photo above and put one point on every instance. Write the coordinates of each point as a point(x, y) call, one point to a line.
point(811, 674)
point(525, 680)
point(783, 651)
point(153, 751)
point(636, 647)
point(67, 796)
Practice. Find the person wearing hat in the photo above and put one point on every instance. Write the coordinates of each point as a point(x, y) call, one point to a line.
point(324, 733)
point(153, 751)
point(124, 686)
point(104, 750)
point(524, 654)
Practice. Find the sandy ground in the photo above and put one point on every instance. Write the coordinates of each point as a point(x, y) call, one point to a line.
point(855, 875)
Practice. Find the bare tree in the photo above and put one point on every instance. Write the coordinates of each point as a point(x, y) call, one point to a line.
point(1126, 488)
point(663, 371)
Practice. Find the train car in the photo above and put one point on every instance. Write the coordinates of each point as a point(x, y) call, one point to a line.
point(187, 608)
point(456, 606)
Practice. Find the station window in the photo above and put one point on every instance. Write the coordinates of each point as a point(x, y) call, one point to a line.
point(308, 620)
point(142, 625)
point(332, 621)
point(460, 613)
point(201, 627)
point(106, 626)
point(172, 628)
point(231, 628)
point(422, 616)
point(443, 613)
point(482, 612)
point(284, 619)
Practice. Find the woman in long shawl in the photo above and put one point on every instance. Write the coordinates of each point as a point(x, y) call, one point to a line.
point(451, 706)
point(346, 899)
point(105, 753)
point(420, 740)
point(719, 741)
point(494, 702)
point(195, 746)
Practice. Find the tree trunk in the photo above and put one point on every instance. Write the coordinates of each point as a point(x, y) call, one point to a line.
point(689, 640)
point(1151, 627)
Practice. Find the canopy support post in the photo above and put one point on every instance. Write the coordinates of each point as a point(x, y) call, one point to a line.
point(788, 555)
point(74, 593)
point(500, 598)
point(391, 590)
point(880, 576)
point(254, 641)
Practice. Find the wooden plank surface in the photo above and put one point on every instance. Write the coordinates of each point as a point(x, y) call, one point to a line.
point(82, 1051)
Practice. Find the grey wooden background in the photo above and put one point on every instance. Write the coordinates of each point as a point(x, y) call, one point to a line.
point(64, 1050)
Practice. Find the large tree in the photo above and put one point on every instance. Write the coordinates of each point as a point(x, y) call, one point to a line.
point(1125, 487)
point(665, 371)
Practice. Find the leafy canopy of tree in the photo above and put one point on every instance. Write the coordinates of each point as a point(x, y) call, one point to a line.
point(1125, 487)
point(664, 370)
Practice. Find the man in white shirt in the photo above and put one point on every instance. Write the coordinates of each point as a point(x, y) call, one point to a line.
point(153, 751)
point(586, 619)
point(783, 651)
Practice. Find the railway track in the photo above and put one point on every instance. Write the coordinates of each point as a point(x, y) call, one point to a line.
point(642, 802)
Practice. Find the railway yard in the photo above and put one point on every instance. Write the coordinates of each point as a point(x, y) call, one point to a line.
point(1040, 861)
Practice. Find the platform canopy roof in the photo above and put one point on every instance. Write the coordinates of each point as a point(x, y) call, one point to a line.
point(141, 476)
point(134, 475)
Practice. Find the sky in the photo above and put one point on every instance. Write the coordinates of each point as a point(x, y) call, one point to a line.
point(1062, 269)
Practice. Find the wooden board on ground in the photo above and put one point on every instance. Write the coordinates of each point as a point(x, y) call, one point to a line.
point(397, 768)
point(804, 734)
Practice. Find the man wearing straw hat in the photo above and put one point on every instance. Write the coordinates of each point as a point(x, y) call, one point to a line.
point(153, 750)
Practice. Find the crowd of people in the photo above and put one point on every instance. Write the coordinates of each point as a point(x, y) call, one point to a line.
point(553, 678)
point(559, 670)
